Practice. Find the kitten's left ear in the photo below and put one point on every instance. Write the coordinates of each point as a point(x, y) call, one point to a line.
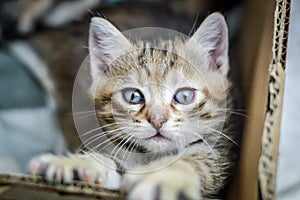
point(212, 36)
point(106, 43)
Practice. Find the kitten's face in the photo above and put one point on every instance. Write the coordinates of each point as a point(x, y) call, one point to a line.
point(158, 100)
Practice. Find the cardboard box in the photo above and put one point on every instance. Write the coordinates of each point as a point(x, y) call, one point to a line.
point(262, 64)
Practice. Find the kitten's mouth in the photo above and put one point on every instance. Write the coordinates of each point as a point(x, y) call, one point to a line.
point(158, 137)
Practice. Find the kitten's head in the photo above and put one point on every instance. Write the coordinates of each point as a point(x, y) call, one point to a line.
point(161, 98)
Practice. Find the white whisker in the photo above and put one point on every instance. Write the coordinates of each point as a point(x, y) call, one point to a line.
point(124, 138)
point(128, 148)
point(222, 134)
point(127, 140)
point(100, 135)
point(110, 140)
point(134, 145)
point(101, 127)
point(210, 147)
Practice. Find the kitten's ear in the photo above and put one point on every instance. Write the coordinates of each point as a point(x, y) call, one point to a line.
point(106, 43)
point(212, 36)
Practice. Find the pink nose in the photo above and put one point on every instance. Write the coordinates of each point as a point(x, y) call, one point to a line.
point(157, 121)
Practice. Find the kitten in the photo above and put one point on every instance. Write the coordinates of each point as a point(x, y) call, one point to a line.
point(163, 110)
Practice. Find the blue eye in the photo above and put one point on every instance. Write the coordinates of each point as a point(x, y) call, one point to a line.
point(184, 96)
point(133, 96)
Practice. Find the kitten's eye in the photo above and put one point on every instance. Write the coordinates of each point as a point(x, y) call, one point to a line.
point(133, 96)
point(185, 96)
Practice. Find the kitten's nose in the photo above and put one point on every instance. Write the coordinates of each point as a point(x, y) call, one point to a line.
point(157, 121)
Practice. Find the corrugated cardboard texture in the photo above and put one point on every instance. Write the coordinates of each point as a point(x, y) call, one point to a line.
point(30, 187)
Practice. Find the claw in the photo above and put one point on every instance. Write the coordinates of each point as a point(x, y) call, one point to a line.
point(87, 175)
point(99, 180)
point(38, 168)
point(58, 174)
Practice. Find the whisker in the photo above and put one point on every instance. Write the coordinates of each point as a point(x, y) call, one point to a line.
point(104, 126)
point(194, 24)
point(127, 149)
point(102, 134)
point(112, 139)
point(225, 110)
point(83, 112)
point(124, 138)
point(85, 115)
point(127, 140)
point(236, 109)
point(210, 147)
point(92, 111)
point(134, 145)
point(224, 135)
point(237, 113)
point(108, 141)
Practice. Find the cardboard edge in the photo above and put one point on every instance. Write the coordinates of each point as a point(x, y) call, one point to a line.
point(92, 191)
point(270, 141)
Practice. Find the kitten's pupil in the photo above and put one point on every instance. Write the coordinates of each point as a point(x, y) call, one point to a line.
point(184, 96)
point(133, 96)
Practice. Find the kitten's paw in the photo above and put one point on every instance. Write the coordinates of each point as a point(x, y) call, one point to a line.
point(76, 167)
point(175, 182)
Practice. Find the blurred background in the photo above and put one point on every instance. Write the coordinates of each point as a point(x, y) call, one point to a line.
point(42, 44)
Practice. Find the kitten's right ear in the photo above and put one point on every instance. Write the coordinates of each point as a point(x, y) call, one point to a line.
point(212, 37)
point(106, 43)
